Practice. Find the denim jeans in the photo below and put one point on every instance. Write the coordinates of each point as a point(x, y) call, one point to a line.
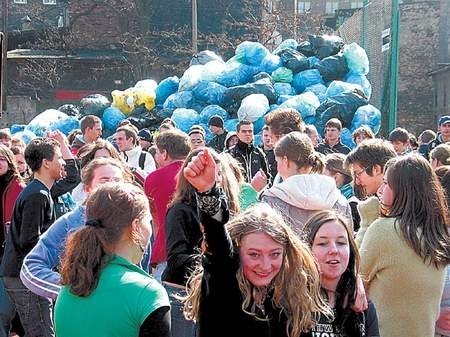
point(158, 271)
point(7, 311)
point(35, 312)
point(181, 327)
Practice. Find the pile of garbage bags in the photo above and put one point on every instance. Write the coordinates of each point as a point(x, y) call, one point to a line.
point(321, 78)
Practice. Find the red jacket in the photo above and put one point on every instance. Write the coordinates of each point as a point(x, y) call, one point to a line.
point(159, 187)
point(9, 198)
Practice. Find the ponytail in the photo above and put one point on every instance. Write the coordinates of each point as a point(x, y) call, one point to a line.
point(315, 160)
point(83, 260)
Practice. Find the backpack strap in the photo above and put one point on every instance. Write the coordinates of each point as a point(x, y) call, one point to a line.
point(142, 157)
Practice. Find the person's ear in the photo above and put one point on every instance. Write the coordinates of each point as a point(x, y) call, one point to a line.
point(164, 154)
point(377, 170)
point(45, 163)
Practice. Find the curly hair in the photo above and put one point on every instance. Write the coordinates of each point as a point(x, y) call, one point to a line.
point(295, 289)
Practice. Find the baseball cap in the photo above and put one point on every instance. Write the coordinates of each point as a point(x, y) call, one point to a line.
point(146, 135)
point(444, 120)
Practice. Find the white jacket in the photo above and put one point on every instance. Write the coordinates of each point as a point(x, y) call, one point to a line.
point(301, 196)
point(131, 157)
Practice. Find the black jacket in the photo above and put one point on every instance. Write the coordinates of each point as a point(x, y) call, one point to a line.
point(326, 148)
point(183, 241)
point(218, 142)
point(251, 158)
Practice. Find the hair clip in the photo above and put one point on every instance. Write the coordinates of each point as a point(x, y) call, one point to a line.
point(94, 223)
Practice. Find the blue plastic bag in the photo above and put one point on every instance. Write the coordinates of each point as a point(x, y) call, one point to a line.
point(347, 139)
point(16, 128)
point(258, 125)
point(112, 116)
point(185, 118)
point(66, 126)
point(212, 110)
point(182, 99)
point(338, 87)
point(319, 90)
point(209, 92)
point(208, 134)
point(367, 115)
point(253, 107)
point(305, 79)
point(251, 53)
point(270, 63)
point(230, 124)
point(283, 89)
point(288, 43)
point(26, 136)
point(212, 70)
point(362, 81)
point(357, 59)
point(235, 74)
point(305, 103)
point(52, 120)
point(191, 77)
point(165, 88)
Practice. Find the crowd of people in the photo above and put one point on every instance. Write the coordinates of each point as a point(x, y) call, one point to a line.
point(164, 233)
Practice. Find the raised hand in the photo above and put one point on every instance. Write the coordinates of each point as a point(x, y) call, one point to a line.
point(259, 181)
point(200, 171)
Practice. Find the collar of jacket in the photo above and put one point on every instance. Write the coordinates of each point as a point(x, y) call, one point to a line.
point(244, 147)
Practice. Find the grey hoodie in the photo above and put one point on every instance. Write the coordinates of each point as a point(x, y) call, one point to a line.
point(301, 196)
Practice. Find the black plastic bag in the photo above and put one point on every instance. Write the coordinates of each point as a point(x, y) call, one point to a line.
point(342, 106)
point(69, 110)
point(294, 60)
point(326, 45)
point(94, 105)
point(263, 86)
point(306, 49)
point(141, 118)
point(332, 68)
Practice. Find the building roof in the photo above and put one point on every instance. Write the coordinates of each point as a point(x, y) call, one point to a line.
point(79, 54)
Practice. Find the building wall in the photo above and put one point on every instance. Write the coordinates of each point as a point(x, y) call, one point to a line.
point(419, 54)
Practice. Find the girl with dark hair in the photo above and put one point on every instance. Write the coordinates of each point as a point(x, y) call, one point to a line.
point(304, 190)
point(105, 293)
point(404, 252)
point(335, 251)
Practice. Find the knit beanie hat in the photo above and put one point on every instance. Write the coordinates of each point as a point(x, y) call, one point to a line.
point(216, 120)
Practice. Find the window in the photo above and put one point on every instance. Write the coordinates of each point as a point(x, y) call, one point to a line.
point(356, 4)
point(20, 1)
point(331, 6)
point(303, 6)
point(49, 2)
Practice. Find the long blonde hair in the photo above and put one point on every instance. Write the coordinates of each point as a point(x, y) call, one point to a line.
point(296, 288)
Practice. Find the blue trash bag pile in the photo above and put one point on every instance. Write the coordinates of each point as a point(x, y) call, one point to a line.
point(320, 77)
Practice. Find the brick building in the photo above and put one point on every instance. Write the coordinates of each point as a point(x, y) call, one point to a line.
point(441, 73)
point(327, 7)
point(421, 25)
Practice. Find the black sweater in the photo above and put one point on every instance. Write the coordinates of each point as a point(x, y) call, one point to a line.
point(33, 214)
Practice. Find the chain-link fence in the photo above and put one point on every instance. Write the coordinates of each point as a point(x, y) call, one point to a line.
point(369, 27)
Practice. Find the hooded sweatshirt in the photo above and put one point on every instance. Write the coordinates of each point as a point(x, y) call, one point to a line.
point(301, 196)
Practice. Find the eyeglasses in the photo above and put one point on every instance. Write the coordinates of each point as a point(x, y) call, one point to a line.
point(358, 174)
point(197, 141)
